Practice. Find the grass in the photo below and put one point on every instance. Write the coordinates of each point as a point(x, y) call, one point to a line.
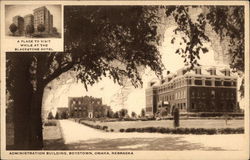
point(196, 123)
point(52, 136)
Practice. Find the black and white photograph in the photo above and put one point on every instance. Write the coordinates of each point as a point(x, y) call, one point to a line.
point(153, 78)
point(33, 21)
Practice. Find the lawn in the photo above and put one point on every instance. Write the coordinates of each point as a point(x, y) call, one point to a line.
point(52, 136)
point(195, 123)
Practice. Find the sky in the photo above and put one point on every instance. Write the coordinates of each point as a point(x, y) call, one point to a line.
point(22, 10)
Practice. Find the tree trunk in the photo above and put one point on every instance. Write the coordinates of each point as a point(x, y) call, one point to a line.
point(28, 133)
point(35, 123)
point(21, 92)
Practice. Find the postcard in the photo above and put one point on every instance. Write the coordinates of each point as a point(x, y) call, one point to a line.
point(125, 80)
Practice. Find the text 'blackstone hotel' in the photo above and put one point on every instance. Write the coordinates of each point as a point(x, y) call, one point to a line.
point(204, 89)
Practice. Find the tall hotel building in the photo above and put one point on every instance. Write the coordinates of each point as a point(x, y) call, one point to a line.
point(204, 89)
point(42, 16)
point(19, 22)
point(28, 20)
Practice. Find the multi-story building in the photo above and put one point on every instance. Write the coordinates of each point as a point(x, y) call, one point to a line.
point(87, 107)
point(28, 20)
point(19, 22)
point(204, 89)
point(42, 16)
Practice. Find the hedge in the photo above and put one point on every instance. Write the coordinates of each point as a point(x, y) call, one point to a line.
point(208, 131)
point(50, 123)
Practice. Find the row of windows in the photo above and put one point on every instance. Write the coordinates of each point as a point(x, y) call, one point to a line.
point(196, 82)
point(221, 94)
point(80, 102)
point(181, 106)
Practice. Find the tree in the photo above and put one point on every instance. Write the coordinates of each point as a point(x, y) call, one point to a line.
point(176, 117)
point(41, 28)
point(143, 112)
point(116, 115)
point(54, 30)
point(133, 115)
point(64, 115)
point(50, 115)
point(110, 113)
point(226, 21)
point(99, 41)
point(30, 29)
point(13, 28)
point(123, 112)
point(57, 115)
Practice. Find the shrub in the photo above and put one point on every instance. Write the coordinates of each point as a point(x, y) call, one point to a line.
point(50, 123)
point(122, 130)
point(130, 130)
point(111, 130)
point(105, 127)
point(231, 130)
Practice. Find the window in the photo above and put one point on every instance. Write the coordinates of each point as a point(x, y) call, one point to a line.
point(198, 82)
point(193, 106)
point(227, 83)
point(208, 83)
point(217, 83)
point(234, 84)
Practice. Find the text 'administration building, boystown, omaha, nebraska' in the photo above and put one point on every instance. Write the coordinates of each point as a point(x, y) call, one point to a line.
point(204, 89)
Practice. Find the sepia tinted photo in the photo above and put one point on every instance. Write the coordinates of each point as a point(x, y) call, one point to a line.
point(131, 78)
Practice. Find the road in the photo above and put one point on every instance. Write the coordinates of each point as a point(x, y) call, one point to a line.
point(80, 137)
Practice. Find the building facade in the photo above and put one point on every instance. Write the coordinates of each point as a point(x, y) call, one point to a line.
point(28, 20)
point(87, 107)
point(42, 16)
point(204, 89)
point(19, 22)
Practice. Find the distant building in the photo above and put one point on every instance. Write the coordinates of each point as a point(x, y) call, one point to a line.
point(206, 89)
point(87, 107)
point(19, 22)
point(28, 20)
point(42, 16)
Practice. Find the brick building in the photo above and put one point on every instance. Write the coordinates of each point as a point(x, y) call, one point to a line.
point(28, 20)
point(204, 89)
point(87, 107)
point(19, 22)
point(42, 16)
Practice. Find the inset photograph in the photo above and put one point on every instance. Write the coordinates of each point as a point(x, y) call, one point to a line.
point(33, 21)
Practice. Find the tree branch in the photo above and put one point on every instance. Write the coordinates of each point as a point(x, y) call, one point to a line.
point(58, 72)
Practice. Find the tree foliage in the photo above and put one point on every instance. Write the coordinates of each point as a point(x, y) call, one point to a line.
point(133, 114)
point(41, 28)
point(114, 44)
point(13, 28)
point(30, 29)
point(226, 21)
point(143, 113)
point(50, 115)
point(123, 112)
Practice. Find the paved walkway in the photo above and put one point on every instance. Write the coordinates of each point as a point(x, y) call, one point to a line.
point(78, 136)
